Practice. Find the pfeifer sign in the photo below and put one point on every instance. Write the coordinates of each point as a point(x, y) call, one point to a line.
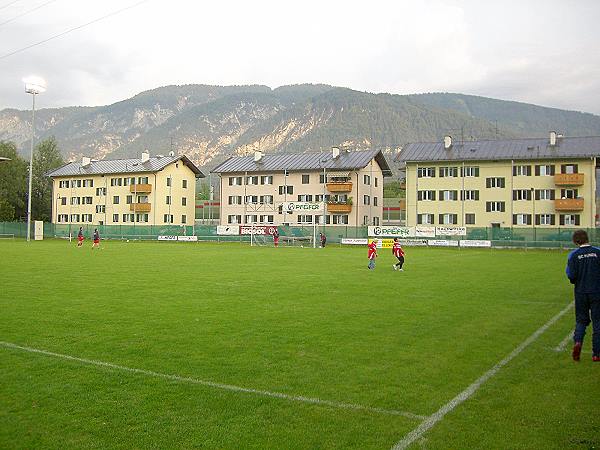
point(391, 231)
point(258, 229)
point(290, 207)
point(450, 231)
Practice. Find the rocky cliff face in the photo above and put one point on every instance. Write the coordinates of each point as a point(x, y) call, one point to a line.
point(210, 123)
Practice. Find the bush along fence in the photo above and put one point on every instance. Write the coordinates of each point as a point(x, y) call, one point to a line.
point(303, 235)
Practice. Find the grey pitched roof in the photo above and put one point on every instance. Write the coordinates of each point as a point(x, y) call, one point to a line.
point(505, 149)
point(114, 166)
point(279, 162)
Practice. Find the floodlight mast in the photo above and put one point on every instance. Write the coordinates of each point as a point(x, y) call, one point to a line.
point(33, 86)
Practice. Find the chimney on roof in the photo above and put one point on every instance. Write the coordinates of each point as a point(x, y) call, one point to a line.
point(447, 142)
point(335, 152)
point(258, 155)
point(145, 156)
point(85, 162)
point(552, 138)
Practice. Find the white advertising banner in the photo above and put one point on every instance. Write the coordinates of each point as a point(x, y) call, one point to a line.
point(258, 229)
point(421, 231)
point(304, 207)
point(450, 231)
point(442, 243)
point(38, 230)
point(413, 242)
point(391, 231)
point(167, 238)
point(187, 238)
point(228, 230)
point(464, 243)
point(354, 241)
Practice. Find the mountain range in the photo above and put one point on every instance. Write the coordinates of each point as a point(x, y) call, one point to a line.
point(210, 123)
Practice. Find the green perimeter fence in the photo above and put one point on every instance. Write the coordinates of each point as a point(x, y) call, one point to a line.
point(302, 235)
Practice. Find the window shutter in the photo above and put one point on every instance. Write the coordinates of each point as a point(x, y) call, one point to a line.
point(476, 171)
point(502, 182)
point(514, 171)
point(501, 206)
point(455, 219)
point(455, 195)
point(476, 195)
point(552, 219)
point(462, 172)
point(441, 172)
point(537, 219)
point(528, 219)
point(537, 171)
point(577, 221)
point(419, 195)
point(488, 182)
point(432, 195)
point(552, 194)
point(441, 194)
point(462, 195)
point(537, 194)
point(441, 216)
point(433, 172)
point(575, 168)
point(514, 219)
point(528, 194)
point(528, 171)
point(488, 206)
point(552, 170)
point(514, 195)
point(562, 219)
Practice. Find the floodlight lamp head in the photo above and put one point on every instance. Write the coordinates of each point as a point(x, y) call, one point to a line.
point(34, 85)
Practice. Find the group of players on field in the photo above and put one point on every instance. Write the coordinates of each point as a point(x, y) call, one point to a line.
point(396, 251)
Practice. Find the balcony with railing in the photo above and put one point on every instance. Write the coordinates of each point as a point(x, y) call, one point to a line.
point(339, 207)
point(339, 186)
point(568, 179)
point(137, 188)
point(139, 207)
point(568, 204)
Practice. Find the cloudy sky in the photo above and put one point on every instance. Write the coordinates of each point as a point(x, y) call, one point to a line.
point(545, 52)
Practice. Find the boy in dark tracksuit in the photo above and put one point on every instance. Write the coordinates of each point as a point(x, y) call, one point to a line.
point(583, 270)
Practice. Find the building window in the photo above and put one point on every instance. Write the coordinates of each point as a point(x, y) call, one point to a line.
point(426, 172)
point(129, 199)
point(235, 181)
point(183, 201)
point(305, 198)
point(253, 180)
point(168, 200)
point(168, 218)
point(305, 179)
point(545, 219)
point(251, 199)
point(375, 220)
point(183, 218)
point(74, 217)
point(375, 181)
point(87, 200)
point(521, 219)
point(374, 201)
point(142, 180)
point(340, 219)
point(266, 219)
point(365, 220)
point(569, 219)
point(521, 194)
point(544, 194)
point(266, 179)
point(100, 208)
point(63, 217)
point(544, 170)
point(568, 168)
point(494, 182)
point(469, 195)
point(469, 171)
point(425, 219)
point(521, 171)
point(75, 201)
point(115, 218)
point(448, 219)
point(266, 199)
point(321, 178)
point(100, 191)
point(141, 217)
point(495, 206)
point(448, 195)
point(235, 199)
point(184, 184)
point(568, 193)
point(286, 189)
point(305, 218)
point(86, 217)
point(470, 219)
point(449, 172)
point(320, 219)
point(63, 184)
point(425, 195)
point(251, 218)
point(63, 200)
point(169, 181)
point(116, 181)
point(366, 200)
point(115, 200)
point(232, 218)
point(367, 180)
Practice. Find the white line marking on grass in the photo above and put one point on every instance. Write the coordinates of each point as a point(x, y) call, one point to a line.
point(227, 387)
point(563, 344)
point(430, 422)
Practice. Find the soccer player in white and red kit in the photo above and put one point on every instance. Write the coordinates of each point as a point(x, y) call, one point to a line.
point(398, 253)
point(372, 253)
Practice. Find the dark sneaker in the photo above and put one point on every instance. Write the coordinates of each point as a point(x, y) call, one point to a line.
point(576, 351)
point(596, 358)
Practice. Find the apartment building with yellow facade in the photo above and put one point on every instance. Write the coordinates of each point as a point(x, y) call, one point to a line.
point(538, 182)
point(254, 189)
point(147, 191)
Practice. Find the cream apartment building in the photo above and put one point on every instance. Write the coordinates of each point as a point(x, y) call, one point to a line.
point(147, 191)
point(547, 182)
point(255, 188)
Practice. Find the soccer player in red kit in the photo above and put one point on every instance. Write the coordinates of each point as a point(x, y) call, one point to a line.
point(372, 254)
point(398, 253)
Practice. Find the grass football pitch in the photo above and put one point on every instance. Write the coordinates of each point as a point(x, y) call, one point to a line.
point(185, 345)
